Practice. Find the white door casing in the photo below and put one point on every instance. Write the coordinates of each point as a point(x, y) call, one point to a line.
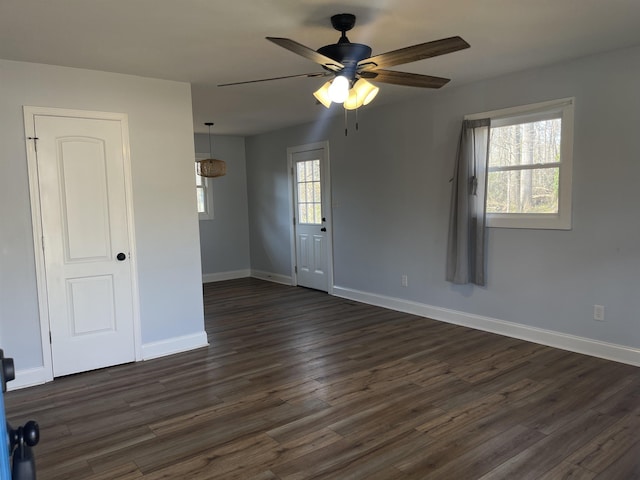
point(311, 216)
point(83, 232)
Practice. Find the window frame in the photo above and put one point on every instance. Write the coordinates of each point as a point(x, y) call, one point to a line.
point(563, 109)
point(207, 188)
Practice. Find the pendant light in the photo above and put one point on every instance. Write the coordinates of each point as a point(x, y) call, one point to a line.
point(211, 167)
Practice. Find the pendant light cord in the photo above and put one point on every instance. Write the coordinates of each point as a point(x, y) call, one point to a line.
point(210, 150)
point(209, 124)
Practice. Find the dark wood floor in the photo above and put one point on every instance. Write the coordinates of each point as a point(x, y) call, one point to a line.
point(297, 384)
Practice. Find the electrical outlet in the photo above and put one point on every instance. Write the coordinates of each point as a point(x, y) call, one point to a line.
point(598, 313)
point(405, 281)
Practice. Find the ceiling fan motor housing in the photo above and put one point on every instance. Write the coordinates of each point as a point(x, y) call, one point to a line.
point(345, 52)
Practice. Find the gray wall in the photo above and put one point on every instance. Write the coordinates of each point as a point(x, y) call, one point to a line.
point(224, 240)
point(166, 228)
point(391, 190)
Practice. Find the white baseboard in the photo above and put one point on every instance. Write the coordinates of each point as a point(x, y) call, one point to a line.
point(221, 276)
point(271, 277)
point(170, 346)
point(587, 346)
point(37, 376)
point(29, 378)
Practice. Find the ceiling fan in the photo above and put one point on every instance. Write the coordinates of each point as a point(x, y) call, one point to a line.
point(351, 65)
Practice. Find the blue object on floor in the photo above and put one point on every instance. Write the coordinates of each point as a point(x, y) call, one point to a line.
point(18, 442)
point(5, 467)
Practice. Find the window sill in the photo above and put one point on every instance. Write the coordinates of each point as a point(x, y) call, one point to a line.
point(530, 221)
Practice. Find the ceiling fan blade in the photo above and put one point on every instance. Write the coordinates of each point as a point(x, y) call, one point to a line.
point(309, 75)
point(307, 53)
point(414, 53)
point(404, 78)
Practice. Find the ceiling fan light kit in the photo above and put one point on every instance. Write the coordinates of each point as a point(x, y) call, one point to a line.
point(362, 93)
point(351, 64)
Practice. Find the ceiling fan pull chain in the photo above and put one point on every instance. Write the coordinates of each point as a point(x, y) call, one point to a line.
point(345, 123)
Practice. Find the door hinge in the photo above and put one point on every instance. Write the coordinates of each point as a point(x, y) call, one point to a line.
point(50, 342)
point(35, 142)
point(294, 220)
point(295, 269)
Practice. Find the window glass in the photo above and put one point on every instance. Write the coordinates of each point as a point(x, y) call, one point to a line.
point(524, 168)
point(309, 192)
point(204, 196)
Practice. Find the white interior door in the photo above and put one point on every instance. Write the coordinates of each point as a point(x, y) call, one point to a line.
point(311, 218)
point(83, 208)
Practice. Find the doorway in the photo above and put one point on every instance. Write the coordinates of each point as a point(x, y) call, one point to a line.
point(82, 215)
point(311, 238)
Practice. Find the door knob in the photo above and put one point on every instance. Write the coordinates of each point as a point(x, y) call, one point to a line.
point(121, 256)
point(323, 229)
point(7, 371)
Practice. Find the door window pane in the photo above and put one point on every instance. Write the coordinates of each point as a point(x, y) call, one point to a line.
point(309, 192)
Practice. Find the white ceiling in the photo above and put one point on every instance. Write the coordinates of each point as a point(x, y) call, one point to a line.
point(207, 42)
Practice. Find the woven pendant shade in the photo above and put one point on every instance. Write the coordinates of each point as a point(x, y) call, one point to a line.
point(211, 167)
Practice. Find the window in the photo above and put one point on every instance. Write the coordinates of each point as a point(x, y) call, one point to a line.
point(308, 192)
point(529, 166)
point(204, 193)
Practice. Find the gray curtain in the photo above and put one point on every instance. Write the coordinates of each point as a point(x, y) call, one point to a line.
point(465, 249)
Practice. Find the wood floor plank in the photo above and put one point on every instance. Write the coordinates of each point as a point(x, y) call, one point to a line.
point(553, 449)
point(458, 418)
point(336, 459)
point(486, 456)
point(298, 384)
point(127, 471)
point(228, 461)
point(568, 471)
point(608, 446)
point(627, 466)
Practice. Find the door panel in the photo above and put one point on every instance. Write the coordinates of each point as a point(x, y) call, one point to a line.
point(305, 263)
point(84, 198)
point(83, 295)
point(84, 224)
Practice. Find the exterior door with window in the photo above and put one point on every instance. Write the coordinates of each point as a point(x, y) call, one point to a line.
point(311, 218)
